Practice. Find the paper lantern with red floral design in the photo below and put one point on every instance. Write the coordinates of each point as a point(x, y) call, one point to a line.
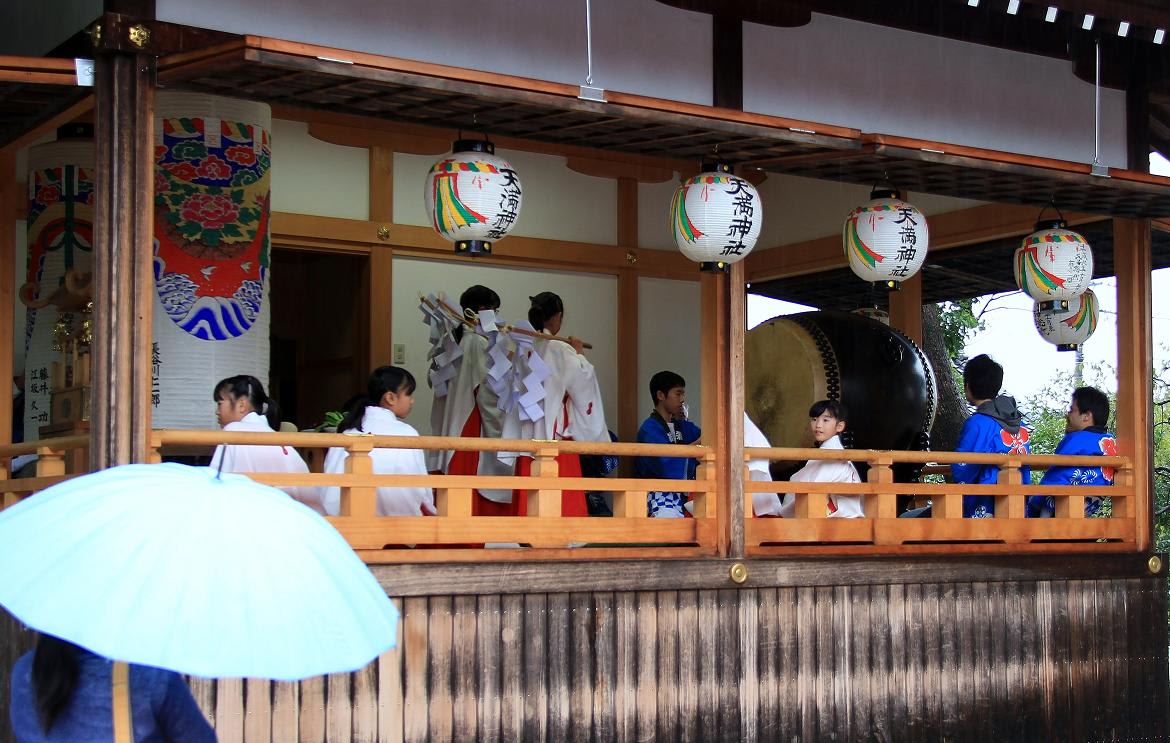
point(716, 217)
point(1053, 265)
point(1068, 328)
point(886, 239)
point(473, 196)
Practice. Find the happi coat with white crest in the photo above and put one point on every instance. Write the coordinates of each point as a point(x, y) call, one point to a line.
point(255, 458)
point(391, 501)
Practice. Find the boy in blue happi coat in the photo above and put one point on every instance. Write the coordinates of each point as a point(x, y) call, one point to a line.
point(667, 424)
point(996, 426)
point(1085, 435)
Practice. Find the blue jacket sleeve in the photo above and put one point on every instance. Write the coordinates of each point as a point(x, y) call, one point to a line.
point(180, 717)
point(650, 467)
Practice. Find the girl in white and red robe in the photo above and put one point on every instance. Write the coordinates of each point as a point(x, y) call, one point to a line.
point(572, 404)
point(390, 397)
point(472, 410)
point(241, 405)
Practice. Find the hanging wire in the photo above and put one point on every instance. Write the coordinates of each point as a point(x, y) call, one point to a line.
point(1097, 109)
point(588, 44)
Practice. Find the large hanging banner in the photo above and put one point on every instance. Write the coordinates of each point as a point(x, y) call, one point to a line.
point(211, 251)
point(60, 238)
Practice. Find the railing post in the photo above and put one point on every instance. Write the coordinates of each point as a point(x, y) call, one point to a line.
point(154, 449)
point(946, 506)
point(1124, 479)
point(545, 501)
point(9, 497)
point(453, 502)
point(811, 505)
point(705, 504)
point(1010, 506)
point(359, 500)
point(886, 505)
point(50, 462)
point(749, 501)
point(630, 504)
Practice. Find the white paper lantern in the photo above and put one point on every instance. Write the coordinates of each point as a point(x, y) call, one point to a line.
point(1068, 328)
point(886, 239)
point(716, 217)
point(473, 196)
point(1053, 265)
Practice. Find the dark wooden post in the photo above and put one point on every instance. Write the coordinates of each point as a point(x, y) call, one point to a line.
point(124, 83)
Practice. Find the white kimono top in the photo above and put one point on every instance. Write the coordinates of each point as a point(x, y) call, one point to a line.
point(235, 458)
point(823, 470)
point(391, 501)
point(763, 504)
point(572, 399)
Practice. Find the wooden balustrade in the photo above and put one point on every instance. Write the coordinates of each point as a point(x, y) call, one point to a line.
point(546, 533)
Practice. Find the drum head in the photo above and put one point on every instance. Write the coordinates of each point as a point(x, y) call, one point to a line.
point(783, 376)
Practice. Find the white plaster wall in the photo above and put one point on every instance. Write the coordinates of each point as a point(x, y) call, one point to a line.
point(668, 338)
point(559, 204)
point(590, 314)
point(314, 177)
point(848, 73)
point(654, 215)
point(639, 46)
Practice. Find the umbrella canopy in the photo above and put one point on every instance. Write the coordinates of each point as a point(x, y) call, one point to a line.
point(175, 567)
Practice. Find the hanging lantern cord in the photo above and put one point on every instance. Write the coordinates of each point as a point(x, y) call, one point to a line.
point(588, 44)
point(1051, 205)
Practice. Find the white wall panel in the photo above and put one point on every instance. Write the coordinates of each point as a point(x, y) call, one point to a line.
point(314, 177)
point(668, 338)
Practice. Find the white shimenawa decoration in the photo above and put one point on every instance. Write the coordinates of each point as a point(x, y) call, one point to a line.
point(886, 239)
point(716, 217)
point(1053, 265)
point(1069, 328)
point(473, 196)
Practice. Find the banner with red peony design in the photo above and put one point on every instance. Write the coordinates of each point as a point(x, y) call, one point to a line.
point(59, 231)
point(211, 250)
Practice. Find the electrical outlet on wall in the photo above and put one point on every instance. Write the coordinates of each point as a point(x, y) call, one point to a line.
point(399, 353)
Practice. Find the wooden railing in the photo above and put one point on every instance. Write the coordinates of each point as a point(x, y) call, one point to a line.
point(545, 533)
point(57, 460)
point(386, 537)
point(882, 529)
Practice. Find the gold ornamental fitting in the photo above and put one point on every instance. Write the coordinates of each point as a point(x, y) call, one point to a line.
point(738, 573)
point(1154, 564)
point(139, 35)
point(95, 34)
point(631, 257)
point(383, 233)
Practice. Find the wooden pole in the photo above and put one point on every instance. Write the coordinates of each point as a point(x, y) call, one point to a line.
point(380, 269)
point(124, 86)
point(1135, 353)
point(8, 207)
point(733, 439)
point(906, 308)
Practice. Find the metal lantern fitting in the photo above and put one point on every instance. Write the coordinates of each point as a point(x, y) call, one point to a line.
point(473, 196)
point(1070, 327)
point(1053, 265)
point(716, 217)
point(886, 239)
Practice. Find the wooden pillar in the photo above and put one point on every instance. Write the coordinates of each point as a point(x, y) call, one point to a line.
point(722, 343)
point(630, 383)
point(123, 230)
point(380, 269)
point(8, 208)
point(906, 308)
point(1135, 353)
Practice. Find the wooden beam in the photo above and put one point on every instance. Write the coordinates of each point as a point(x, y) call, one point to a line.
point(380, 279)
point(948, 230)
point(9, 196)
point(727, 71)
point(629, 380)
point(124, 284)
point(906, 308)
point(1135, 352)
point(734, 409)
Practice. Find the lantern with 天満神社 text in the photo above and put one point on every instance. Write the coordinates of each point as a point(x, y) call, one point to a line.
point(473, 196)
point(716, 217)
point(1070, 327)
point(1053, 265)
point(886, 239)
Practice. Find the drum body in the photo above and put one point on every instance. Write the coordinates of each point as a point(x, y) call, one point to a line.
point(882, 377)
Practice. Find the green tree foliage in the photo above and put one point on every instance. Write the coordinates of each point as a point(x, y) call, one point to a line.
point(959, 324)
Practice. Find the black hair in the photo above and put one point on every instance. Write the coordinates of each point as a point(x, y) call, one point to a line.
point(832, 407)
point(664, 382)
point(545, 306)
point(55, 668)
point(382, 380)
point(244, 385)
point(983, 377)
point(1094, 401)
point(475, 298)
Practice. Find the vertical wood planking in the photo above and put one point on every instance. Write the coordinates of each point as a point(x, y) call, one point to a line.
point(489, 667)
point(826, 713)
point(950, 661)
point(312, 722)
point(688, 665)
point(806, 631)
point(535, 666)
point(862, 666)
point(749, 671)
point(727, 660)
point(708, 702)
point(770, 678)
point(582, 674)
point(604, 667)
point(842, 655)
point(985, 626)
point(415, 621)
point(560, 663)
point(625, 665)
point(257, 711)
point(229, 710)
point(884, 691)
point(203, 690)
point(645, 710)
point(465, 708)
point(285, 714)
point(1159, 604)
point(390, 688)
point(667, 678)
point(919, 712)
point(790, 699)
point(338, 708)
point(1075, 649)
point(512, 639)
point(440, 671)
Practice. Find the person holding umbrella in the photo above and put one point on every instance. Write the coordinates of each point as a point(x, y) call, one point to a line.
point(61, 692)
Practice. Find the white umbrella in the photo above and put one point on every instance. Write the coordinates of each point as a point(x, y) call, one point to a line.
point(180, 568)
